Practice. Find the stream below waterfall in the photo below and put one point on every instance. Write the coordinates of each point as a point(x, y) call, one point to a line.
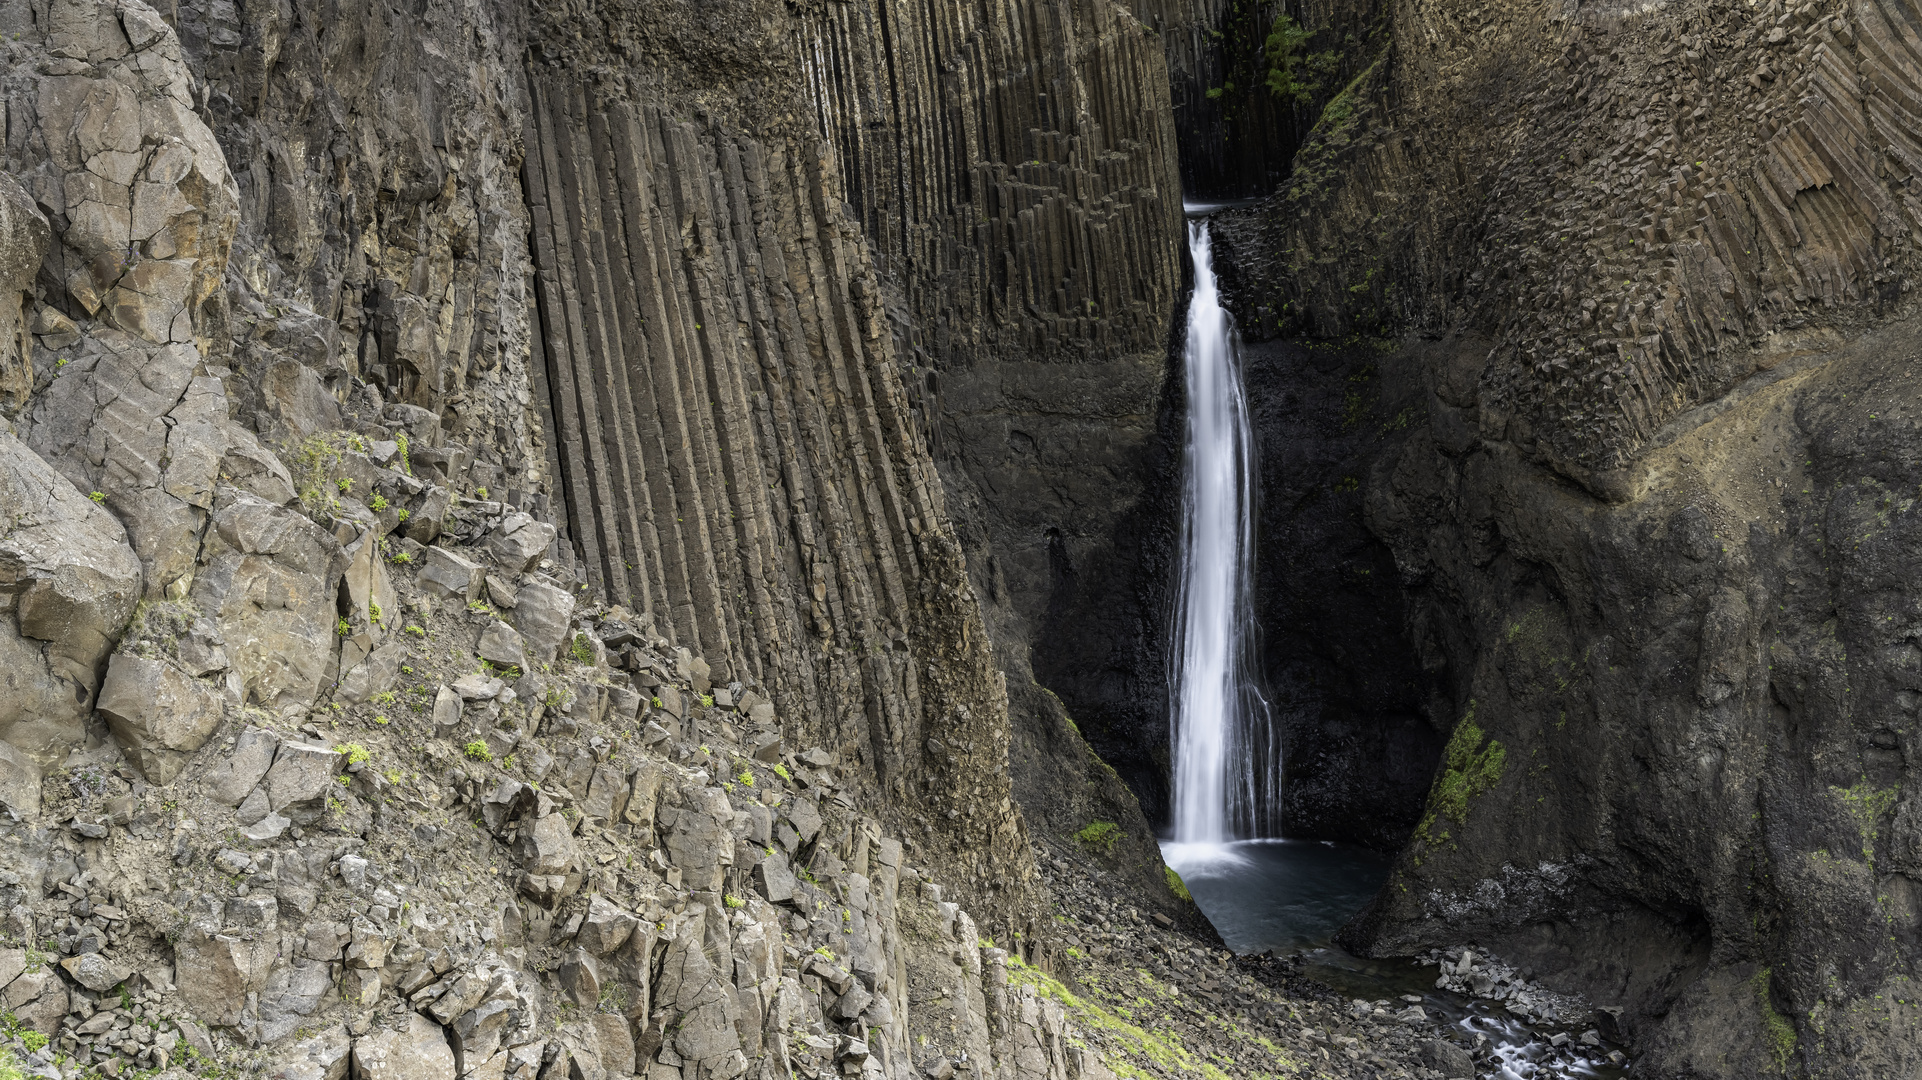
point(1264, 893)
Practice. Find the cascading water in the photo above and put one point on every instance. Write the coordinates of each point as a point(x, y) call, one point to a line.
point(1261, 892)
point(1227, 773)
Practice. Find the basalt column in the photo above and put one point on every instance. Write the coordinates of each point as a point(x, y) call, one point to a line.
point(1014, 167)
point(736, 452)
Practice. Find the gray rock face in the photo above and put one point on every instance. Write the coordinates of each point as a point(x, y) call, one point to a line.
point(72, 581)
point(24, 236)
point(19, 782)
point(159, 713)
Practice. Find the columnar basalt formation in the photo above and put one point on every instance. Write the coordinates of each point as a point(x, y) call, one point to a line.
point(475, 500)
point(735, 450)
point(1655, 194)
point(1636, 464)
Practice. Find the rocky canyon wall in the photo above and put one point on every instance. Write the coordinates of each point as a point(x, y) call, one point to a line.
point(492, 501)
point(1637, 282)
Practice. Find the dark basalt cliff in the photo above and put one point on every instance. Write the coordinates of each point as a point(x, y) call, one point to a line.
point(634, 538)
point(1635, 432)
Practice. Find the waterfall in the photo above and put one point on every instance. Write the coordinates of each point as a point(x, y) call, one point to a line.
point(1227, 773)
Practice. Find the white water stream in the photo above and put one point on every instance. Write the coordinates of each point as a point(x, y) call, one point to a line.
point(1227, 773)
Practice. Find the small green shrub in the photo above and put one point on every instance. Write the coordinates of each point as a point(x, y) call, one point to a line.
point(379, 504)
point(97, 496)
point(355, 752)
point(583, 650)
point(1294, 75)
point(478, 751)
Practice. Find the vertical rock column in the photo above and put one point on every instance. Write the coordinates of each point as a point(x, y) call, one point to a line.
point(735, 450)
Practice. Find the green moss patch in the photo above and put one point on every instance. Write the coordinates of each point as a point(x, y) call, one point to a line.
point(1176, 885)
point(1099, 836)
point(1469, 769)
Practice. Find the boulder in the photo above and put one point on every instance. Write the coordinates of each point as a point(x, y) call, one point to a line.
point(774, 880)
point(1447, 1059)
point(370, 592)
point(444, 574)
point(478, 1030)
point(519, 542)
point(474, 686)
point(37, 1000)
point(230, 781)
point(269, 584)
point(159, 713)
point(255, 469)
point(616, 1044)
point(606, 795)
point(96, 972)
point(418, 1050)
point(804, 816)
point(75, 582)
point(425, 518)
point(605, 928)
point(447, 707)
point(501, 646)
point(372, 675)
point(542, 611)
point(301, 776)
point(547, 847)
point(321, 1057)
point(214, 972)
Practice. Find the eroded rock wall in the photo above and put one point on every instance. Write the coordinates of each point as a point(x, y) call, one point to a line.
point(517, 414)
point(1655, 263)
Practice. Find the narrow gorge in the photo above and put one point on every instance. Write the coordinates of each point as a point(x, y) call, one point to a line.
point(661, 538)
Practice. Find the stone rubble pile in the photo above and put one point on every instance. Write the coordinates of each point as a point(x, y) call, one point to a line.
point(473, 866)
